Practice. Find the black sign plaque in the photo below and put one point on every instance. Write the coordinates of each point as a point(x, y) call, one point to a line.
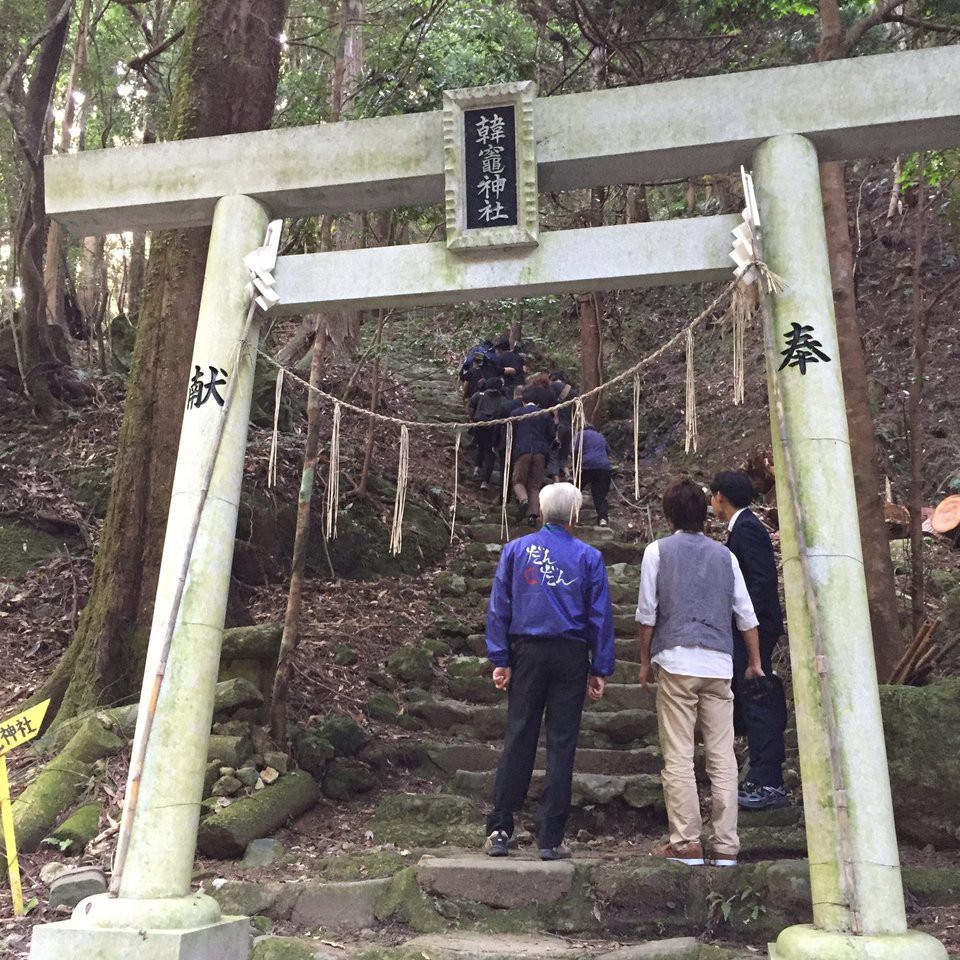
point(490, 155)
point(490, 167)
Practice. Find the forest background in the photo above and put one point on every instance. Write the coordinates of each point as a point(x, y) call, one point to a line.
point(96, 332)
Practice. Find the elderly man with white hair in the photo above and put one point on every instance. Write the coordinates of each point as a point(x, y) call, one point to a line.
point(550, 639)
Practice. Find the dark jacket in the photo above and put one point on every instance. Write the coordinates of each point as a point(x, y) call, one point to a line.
point(534, 435)
point(750, 544)
point(543, 397)
point(510, 358)
point(564, 392)
point(596, 450)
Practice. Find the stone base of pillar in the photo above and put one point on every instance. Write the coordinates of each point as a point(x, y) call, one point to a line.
point(806, 942)
point(107, 928)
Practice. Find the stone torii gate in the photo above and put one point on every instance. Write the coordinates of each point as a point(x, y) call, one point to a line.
point(782, 122)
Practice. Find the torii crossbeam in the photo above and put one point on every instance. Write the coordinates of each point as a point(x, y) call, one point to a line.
point(780, 121)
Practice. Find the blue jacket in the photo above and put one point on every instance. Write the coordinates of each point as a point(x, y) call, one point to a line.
point(550, 584)
point(596, 450)
point(534, 435)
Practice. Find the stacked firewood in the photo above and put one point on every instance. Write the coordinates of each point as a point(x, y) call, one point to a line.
point(922, 656)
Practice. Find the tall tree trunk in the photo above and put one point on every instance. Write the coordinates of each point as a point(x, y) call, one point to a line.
point(29, 120)
point(878, 569)
point(590, 306)
point(137, 272)
point(54, 265)
point(227, 85)
point(301, 544)
point(343, 328)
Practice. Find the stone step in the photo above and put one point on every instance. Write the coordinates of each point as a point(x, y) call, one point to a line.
point(614, 550)
point(477, 757)
point(503, 882)
point(640, 791)
point(487, 722)
point(476, 686)
point(604, 900)
point(460, 945)
point(627, 645)
point(623, 595)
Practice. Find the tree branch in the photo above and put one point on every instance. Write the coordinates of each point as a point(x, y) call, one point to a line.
point(138, 62)
point(6, 100)
point(881, 13)
point(922, 24)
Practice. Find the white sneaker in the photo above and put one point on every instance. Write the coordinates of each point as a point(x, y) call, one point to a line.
point(602, 523)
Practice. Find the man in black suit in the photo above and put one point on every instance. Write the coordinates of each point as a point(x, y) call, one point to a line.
point(761, 706)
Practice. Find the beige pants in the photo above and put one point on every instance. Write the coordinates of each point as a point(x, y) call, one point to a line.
point(681, 702)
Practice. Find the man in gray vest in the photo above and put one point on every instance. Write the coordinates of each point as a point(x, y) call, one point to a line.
point(691, 589)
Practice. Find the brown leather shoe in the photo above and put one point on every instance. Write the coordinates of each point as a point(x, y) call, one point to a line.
point(719, 858)
point(690, 853)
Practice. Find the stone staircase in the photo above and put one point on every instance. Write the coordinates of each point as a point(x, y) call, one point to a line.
point(424, 891)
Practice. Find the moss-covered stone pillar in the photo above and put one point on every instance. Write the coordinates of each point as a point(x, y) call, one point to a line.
point(155, 914)
point(858, 906)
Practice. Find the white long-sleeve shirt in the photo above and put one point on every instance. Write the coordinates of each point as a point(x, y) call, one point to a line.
point(692, 661)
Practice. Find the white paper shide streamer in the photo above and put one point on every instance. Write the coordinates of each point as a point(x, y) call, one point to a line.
point(456, 483)
point(577, 423)
point(272, 463)
point(403, 478)
point(333, 483)
point(690, 418)
point(636, 436)
point(507, 466)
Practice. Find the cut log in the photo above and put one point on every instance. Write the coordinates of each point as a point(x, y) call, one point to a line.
point(226, 833)
point(946, 518)
point(60, 782)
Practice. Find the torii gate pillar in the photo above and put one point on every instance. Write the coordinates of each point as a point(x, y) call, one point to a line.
point(156, 916)
point(858, 908)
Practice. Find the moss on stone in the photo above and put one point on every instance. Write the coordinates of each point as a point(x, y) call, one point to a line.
point(404, 902)
point(284, 948)
point(414, 820)
point(381, 706)
point(438, 647)
point(371, 865)
point(921, 728)
point(77, 830)
point(313, 752)
point(60, 782)
point(227, 832)
point(934, 886)
point(412, 664)
point(345, 778)
point(344, 734)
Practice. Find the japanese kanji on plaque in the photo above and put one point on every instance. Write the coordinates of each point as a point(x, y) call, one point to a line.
point(491, 167)
point(490, 154)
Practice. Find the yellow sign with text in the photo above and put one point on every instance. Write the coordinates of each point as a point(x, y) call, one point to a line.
point(14, 732)
point(21, 728)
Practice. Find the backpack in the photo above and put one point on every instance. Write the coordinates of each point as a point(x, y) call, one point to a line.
point(482, 351)
point(488, 407)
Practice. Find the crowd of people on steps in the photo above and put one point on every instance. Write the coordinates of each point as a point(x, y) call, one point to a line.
point(496, 386)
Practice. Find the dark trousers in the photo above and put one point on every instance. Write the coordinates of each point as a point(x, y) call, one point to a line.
point(486, 454)
point(547, 676)
point(599, 481)
point(760, 712)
